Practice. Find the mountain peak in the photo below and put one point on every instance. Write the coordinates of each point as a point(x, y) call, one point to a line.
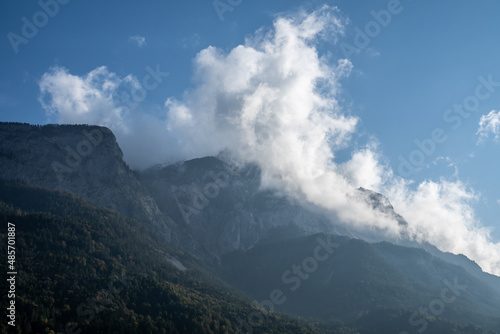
point(381, 203)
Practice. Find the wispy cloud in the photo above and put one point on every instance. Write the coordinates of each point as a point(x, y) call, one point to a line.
point(372, 52)
point(140, 41)
point(489, 124)
point(191, 41)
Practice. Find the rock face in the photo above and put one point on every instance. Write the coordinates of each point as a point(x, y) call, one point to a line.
point(223, 207)
point(381, 203)
point(84, 160)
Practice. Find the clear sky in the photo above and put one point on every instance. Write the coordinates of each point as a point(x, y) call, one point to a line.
point(415, 74)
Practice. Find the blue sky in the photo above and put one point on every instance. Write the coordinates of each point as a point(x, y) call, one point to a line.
point(428, 58)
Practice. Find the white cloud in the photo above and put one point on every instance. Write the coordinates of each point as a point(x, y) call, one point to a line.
point(274, 101)
point(441, 213)
point(140, 41)
point(489, 124)
point(95, 98)
point(88, 99)
point(449, 163)
point(364, 169)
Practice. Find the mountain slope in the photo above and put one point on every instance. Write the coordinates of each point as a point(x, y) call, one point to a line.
point(358, 278)
point(223, 207)
point(86, 268)
point(84, 160)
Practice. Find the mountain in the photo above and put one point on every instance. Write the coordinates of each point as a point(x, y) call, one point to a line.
point(223, 207)
point(381, 203)
point(204, 237)
point(205, 205)
point(84, 160)
point(184, 202)
point(324, 275)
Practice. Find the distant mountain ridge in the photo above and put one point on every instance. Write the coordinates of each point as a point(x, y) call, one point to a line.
point(356, 279)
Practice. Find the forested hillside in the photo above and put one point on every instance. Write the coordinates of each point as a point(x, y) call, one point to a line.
point(85, 269)
point(81, 267)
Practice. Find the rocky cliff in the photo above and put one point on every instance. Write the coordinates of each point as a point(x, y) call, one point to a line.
point(84, 160)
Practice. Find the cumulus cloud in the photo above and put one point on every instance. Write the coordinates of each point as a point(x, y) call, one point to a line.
point(274, 101)
point(140, 41)
point(442, 214)
point(88, 99)
point(102, 98)
point(489, 124)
